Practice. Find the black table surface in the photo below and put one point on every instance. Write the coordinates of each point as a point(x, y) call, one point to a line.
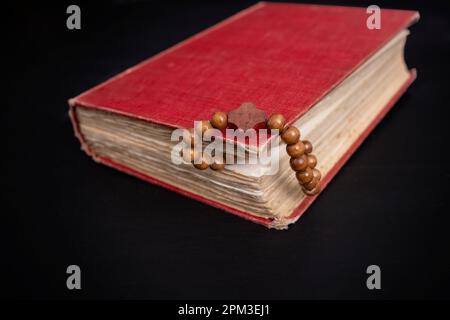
point(388, 206)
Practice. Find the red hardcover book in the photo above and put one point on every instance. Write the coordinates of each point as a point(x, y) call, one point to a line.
point(297, 60)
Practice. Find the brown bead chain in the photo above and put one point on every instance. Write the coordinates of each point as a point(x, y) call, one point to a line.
point(302, 161)
point(219, 121)
point(188, 138)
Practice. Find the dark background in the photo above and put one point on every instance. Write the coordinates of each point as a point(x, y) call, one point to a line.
point(388, 206)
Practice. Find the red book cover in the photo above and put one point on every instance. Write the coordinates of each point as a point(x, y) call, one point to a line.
point(282, 57)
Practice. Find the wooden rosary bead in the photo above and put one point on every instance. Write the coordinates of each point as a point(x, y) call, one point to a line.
point(219, 120)
point(312, 161)
point(305, 176)
point(202, 126)
point(314, 191)
point(276, 121)
point(299, 164)
point(202, 166)
point(217, 165)
point(317, 174)
point(295, 150)
point(290, 135)
point(308, 146)
point(311, 185)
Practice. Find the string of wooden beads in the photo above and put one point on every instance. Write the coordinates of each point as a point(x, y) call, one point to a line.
point(199, 161)
point(302, 161)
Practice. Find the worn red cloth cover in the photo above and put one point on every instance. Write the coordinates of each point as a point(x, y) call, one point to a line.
point(282, 57)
